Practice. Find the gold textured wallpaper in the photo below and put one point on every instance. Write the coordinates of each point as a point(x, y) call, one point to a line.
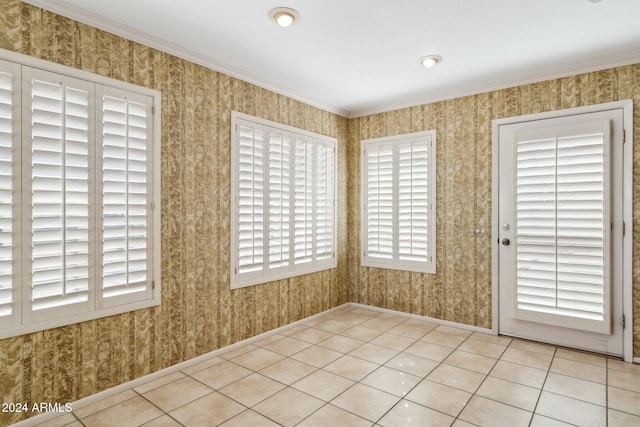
point(199, 313)
point(460, 291)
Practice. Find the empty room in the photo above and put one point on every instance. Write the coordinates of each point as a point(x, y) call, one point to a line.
point(319, 213)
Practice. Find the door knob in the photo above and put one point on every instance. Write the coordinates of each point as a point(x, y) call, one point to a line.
point(506, 242)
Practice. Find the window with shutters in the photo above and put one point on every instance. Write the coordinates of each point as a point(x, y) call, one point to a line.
point(283, 209)
point(398, 202)
point(78, 173)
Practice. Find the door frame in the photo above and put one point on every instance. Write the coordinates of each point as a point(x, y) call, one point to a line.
point(627, 188)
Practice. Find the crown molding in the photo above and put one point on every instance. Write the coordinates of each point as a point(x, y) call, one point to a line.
point(89, 18)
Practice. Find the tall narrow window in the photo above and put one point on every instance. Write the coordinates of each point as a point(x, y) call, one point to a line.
point(283, 205)
point(398, 199)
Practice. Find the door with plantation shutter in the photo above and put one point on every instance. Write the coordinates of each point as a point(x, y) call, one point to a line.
point(561, 230)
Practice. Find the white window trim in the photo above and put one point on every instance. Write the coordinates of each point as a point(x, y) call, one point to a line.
point(292, 270)
point(395, 263)
point(97, 308)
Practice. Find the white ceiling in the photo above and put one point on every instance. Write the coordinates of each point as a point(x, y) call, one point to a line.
point(356, 57)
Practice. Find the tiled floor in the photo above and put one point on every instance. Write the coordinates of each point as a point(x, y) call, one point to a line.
point(359, 367)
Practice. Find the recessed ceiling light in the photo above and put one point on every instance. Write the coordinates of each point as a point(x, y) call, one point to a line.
point(283, 16)
point(430, 60)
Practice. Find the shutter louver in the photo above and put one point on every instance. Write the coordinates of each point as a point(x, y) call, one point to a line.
point(6, 195)
point(562, 223)
point(303, 199)
point(279, 199)
point(325, 196)
point(250, 199)
point(125, 157)
point(413, 201)
point(59, 194)
point(380, 206)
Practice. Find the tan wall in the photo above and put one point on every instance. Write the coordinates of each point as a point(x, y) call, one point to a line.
point(460, 291)
point(198, 313)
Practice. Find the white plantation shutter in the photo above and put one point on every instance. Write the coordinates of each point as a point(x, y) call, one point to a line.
point(125, 123)
point(304, 198)
point(59, 157)
point(9, 141)
point(379, 199)
point(251, 200)
point(398, 194)
point(563, 225)
point(325, 200)
point(77, 196)
point(283, 215)
point(279, 183)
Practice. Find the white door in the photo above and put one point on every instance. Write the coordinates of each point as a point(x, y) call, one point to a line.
point(561, 230)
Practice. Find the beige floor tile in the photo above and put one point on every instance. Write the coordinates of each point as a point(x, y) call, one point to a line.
point(576, 388)
point(323, 385)
point(252, 389)
point(210, 410)
point(163, 421)
point(471, 361)
point(268, 340)
point(361, 333)
point(461, 423)
point(570, 410)
point(583, 357)
point(579, 370)
point(622, 419)
point(412, 364)
point(159, 382)
point(202, 365)
point(366, 402)
point(513, 394)
point(374, 353)
point(238, 351)
point(132, 412)
point(526, 357)
point(170, 396)
point(280, 407)
point(391, 381)
point(619, 365)
point(429, 350)
point(249, 418)
point(393, 318)
point(257, 359)
point(222, 374)
point(484, 412)
point(60, 421)
point(341, 343)
point(86, 410)
point(317, 356)
point(333, 326)
point(443, 338)
point(625, 380)
point(453, 330)
point(624, 400)
point(330, 415)
point(440, 397)
point(294, 330)
point(288, 371)
point(379, 324)
point(423, 324)
point(535, 347)
point(541, 421)
point(493, 339)
point(456, 377)
point(351, 367)
point(410, 331)
point(393, 341)
point(287, 346)
point(312, 335)
point(519, 374)
point(483, 348)
point(410, 414)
